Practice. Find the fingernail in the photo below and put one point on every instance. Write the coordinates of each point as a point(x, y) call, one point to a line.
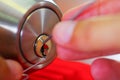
point(63, 31)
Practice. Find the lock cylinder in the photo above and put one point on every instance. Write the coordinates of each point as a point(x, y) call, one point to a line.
point(41, 47)
point(35, 28)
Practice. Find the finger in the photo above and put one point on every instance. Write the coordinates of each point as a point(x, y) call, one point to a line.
point(68, 54)
point(96, 35)
point(105, 69)
point(10, 70)
point(15, 69)
point(99, 8)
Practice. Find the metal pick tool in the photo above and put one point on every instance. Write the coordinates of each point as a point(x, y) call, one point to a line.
point(49, 37)
point(87, 4)
point(31, 67)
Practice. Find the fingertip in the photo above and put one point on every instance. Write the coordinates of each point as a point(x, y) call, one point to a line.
point(69, 54)
point(63, 53)
point(105, 69)
point(62, 32)
point(15, 69)
point(100, 68)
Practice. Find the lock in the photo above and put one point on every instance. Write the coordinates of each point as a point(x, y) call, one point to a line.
point(25, 31)
point(36, 28)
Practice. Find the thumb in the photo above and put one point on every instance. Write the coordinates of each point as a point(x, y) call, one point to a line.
point(10, 70)
point(110, 69)
point(99, 35)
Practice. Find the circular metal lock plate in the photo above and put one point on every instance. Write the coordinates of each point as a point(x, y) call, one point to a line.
point(35, 30)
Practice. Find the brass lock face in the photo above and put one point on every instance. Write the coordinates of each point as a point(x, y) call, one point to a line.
point(41, 47)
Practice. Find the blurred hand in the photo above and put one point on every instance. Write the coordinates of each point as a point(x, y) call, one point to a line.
point(95, 32)
point(10, 70)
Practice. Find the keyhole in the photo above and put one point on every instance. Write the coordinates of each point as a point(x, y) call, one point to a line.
point(44, 50)
point(43, 45)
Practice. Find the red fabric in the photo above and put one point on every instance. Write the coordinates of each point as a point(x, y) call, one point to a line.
point(62, 70)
